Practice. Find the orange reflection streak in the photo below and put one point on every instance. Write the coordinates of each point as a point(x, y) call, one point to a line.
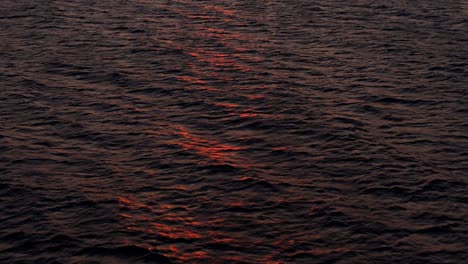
point(237, 204)
point(127, 242)
point(212, 149)
point(194, 54)
point(250, 113)
point(208, 64)
point(226, 13)
point(194, 255)
point(247, 115)
point(175, 253)
point(180, 188)
point(255, 96)
point(232, 259)
point(133, 204)
point(161, 222)
point(227, 105)
point(171, 232)
point(213, 30)
point(138, 220)
point(164, 219)
point(279, 149)
point(217, 59)
point(219, 9)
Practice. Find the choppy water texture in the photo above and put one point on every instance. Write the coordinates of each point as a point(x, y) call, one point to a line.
point(282, 131)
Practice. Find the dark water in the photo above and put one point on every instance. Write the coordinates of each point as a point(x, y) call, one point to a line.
point(282, 131)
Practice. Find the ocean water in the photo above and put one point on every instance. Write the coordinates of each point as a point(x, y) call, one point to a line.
point(275, 131)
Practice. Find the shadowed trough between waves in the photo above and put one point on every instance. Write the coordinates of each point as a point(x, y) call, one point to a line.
point(151, 131)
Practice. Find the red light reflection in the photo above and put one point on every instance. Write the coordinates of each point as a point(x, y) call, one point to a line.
point(161, 221)
point(212, 149)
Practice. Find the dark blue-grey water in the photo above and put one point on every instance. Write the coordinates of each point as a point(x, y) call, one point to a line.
point(282, 131)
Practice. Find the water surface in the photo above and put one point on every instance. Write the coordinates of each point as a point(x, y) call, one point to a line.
point(151, 131)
